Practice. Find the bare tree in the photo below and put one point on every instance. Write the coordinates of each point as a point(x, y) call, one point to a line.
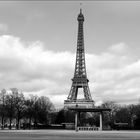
point(19, 106)
point(109, 117)
point(45, 106)
point(2, 106)
point(38, 109)
point(10, 107)
point(30, 108)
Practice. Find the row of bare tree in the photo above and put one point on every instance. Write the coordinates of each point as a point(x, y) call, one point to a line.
point(15, 108)
point(122, 114)
point(34, 110)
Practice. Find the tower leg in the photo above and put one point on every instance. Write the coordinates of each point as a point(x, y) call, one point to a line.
point(79, 121)
point(76, 121)
point(101, 121)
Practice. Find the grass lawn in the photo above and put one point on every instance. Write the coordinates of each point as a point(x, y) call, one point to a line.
point(68, 135)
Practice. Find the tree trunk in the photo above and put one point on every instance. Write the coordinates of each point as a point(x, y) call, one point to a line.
point(35, 123)
point(17, 123)
point(2, 121)
point(10, 123)
point(30, 122)
point(18, 120)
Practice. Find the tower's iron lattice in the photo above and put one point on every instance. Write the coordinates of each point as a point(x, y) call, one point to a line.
point(80, 77)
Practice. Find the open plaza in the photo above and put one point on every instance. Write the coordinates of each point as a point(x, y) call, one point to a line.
point(68, 135)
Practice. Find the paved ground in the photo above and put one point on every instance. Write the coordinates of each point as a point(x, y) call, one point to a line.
point(68, 135)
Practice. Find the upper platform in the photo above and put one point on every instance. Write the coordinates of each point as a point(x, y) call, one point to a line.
point(80, 16)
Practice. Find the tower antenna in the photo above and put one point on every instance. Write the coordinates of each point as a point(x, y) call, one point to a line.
point(80, 7)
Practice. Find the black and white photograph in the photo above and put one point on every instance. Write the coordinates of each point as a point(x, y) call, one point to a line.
point(69, 69)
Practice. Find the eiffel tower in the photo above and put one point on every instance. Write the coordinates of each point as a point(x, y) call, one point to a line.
point(80, 79)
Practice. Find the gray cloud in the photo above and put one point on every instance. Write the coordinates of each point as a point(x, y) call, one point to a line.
point(3, 27)
point(113, 75)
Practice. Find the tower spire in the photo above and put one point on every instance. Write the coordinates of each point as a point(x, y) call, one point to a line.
point(80, 7)
point(80, 11)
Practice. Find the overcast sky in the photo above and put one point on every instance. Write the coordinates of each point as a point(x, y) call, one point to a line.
point(38, 45)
